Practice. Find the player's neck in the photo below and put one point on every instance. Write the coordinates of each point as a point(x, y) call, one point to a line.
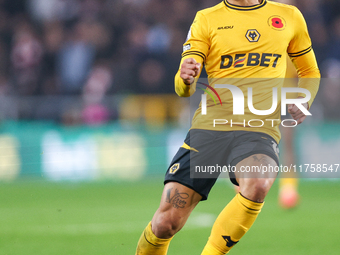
point(245, 2)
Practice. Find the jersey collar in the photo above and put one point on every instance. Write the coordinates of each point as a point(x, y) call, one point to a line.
point(245, 8)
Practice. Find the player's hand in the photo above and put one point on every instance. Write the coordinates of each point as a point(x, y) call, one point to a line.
point(189, 70)
point(296, 113)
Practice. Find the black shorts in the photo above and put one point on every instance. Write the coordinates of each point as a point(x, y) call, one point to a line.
point(204, 148)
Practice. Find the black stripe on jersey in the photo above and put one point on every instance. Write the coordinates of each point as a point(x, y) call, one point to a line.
point(245, 8)
point(197, 53)
point(300, 53)
point(194, 54)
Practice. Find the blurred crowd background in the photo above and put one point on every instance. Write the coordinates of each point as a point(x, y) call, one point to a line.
point(94, 61)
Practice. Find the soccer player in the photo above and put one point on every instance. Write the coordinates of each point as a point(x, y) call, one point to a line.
point(244, 42)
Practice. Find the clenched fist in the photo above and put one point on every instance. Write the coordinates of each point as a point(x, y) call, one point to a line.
point(296, 113)
point(189, 70)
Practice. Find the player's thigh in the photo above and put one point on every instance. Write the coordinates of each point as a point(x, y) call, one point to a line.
point(177, 203)
point(255, 175)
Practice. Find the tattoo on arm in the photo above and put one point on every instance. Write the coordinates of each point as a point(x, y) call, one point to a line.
point(177, 200)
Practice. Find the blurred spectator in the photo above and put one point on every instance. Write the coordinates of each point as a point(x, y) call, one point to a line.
point(51, 10)
point(75, 59)
point(26, 57)
point(334, 49)
point(330, 90)
point(158, 39)
point(98, 83)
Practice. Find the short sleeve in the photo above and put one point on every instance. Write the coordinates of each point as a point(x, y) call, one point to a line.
point(301, 43)
point(198, 42)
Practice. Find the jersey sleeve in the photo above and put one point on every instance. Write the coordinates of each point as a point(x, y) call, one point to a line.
point(309, 74)
point(196, 46)
point(301, 43)
point(197, 43)
point(302, 55)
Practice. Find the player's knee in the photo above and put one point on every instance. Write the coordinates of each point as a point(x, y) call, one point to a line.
point(166, 227)
point(261, 187)
point(256, 189)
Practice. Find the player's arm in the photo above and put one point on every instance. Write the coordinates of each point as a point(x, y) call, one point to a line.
point(302, 55)
point(308, 73)
point(195, 50)
point(185, 83)
point(309, 78)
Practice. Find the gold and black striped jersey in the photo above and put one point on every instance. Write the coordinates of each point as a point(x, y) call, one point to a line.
point(248, 44)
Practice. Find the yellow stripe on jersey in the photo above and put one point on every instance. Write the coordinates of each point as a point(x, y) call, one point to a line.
point(248, 45)
point(187, 147)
